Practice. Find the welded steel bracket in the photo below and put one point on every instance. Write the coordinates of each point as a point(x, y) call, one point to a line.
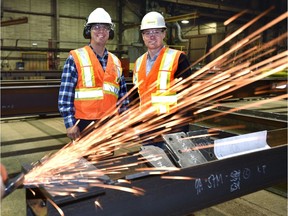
point(205, 143)
point(155, 156)
point(183, 150)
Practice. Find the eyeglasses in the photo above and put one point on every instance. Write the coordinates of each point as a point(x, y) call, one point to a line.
point(149, 33)
point(98, 27)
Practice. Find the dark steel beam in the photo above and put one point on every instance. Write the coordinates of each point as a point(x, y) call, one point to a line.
point(29, 100)
point(14, 89)
point(211, 183)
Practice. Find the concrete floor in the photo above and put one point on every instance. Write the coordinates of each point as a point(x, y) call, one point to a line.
point(26, 140)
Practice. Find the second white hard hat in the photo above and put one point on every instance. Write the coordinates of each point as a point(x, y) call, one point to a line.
point(99, 15)
point(152, 20)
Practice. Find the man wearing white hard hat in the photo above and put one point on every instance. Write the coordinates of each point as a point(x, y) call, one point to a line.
point(155, 71)
point(92, 83)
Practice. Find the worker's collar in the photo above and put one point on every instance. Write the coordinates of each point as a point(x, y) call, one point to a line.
point(155, 56)
point(104, 54)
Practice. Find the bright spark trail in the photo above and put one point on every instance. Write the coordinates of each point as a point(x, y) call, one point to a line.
point(61, 171)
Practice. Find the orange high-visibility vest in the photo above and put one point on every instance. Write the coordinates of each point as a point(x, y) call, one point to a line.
point(97, 91)
point(154, 88)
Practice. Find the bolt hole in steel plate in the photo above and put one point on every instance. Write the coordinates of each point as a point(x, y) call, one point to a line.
point(182, 149)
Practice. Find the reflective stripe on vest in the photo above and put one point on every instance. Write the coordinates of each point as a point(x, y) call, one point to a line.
point(163, 82)
point(89, 80)
point(118, 67)
point(86, 67)
point(137, 67)
point(161, 101)
point(91, 93)
point(110, 89)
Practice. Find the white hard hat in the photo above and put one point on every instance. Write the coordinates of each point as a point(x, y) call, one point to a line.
point(99, 15)
point(152, 20)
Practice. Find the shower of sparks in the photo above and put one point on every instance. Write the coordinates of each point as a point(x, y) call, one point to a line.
point(56, 207)
point(97, 204)
point(199, 136)
point(66, 173)
point(255, 104)
point(177, 177)
point(230, 20)
point(123, 181)
point(135, 191)
point(213, 132)
point(158, 168)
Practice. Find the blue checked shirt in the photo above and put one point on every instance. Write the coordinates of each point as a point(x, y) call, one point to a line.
point(69, 80)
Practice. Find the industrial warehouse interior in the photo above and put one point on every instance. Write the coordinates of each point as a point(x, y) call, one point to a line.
point(231, 161)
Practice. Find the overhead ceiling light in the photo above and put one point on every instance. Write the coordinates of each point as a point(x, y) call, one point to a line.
point(185, 21)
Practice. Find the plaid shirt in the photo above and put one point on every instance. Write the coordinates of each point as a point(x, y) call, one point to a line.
point(69, 80)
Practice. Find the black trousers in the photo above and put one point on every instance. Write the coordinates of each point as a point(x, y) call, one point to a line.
point(83, 123)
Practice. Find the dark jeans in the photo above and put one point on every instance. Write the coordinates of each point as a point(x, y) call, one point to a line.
point(83, 123)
